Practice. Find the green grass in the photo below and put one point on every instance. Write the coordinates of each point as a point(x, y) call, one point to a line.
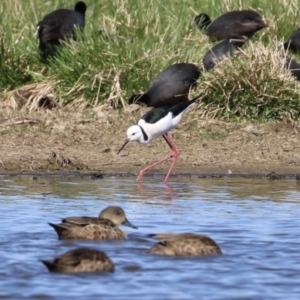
point(254, 86)
point(214, 136)
point(139, 40)
point(19, 129)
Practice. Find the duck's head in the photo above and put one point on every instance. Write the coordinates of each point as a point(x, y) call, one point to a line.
point(115, 214)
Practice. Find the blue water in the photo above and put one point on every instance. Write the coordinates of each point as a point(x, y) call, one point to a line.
point(255, 222)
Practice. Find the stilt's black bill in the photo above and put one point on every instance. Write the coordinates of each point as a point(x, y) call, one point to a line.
point(126, 142)
point(127, 223)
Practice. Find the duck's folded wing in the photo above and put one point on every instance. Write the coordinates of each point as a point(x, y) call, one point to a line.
point(80, 220)
point(176, 236)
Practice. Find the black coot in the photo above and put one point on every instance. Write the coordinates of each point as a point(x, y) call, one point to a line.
point(58, 25)
point(220, 51)
point(293, 66)
point(237, 24)
point(293, 43)
point(171, 86)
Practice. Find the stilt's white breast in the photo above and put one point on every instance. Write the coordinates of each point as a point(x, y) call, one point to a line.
point(163, 126)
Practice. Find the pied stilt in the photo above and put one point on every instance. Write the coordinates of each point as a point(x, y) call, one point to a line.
point(158, 122)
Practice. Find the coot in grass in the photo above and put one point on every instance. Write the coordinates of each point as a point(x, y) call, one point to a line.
point(293, 43)
point(202, 21)
point(220, 51)
point(293, 66)
point(171, 86)
point(238, 24)
point(58, 25)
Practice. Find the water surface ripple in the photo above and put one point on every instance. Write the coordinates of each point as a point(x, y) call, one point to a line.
point(255, 221)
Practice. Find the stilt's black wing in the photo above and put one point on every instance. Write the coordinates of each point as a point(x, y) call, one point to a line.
point(156, 114)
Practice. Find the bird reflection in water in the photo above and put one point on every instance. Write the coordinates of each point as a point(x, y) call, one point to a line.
point(163, 192)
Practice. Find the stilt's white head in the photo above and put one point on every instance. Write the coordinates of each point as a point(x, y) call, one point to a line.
point(134, 133)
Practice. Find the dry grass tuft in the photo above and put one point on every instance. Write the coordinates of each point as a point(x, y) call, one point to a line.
point(33, 97)
point(78, 105)
point(115, 98)
point(253, 84)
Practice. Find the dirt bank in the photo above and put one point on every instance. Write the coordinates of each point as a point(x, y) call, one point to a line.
point(69, 141)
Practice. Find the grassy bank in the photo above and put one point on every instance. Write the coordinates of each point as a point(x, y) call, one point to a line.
point(137, 41)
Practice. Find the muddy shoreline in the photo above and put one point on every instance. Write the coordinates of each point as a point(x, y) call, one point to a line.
point(159, 176)
point(85, 142)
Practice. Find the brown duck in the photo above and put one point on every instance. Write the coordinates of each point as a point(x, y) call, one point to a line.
point(184, 244)
point(80, 260)
point(105, 227)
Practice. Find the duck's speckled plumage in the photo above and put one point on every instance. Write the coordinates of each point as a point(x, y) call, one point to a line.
point(184, 244)
point(101, 228)
point(80, 260)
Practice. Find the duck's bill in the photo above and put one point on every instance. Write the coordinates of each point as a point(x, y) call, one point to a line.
point(126, 142)
point(127, 223)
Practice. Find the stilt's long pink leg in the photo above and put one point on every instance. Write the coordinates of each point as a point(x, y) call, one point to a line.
point(174, 155)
